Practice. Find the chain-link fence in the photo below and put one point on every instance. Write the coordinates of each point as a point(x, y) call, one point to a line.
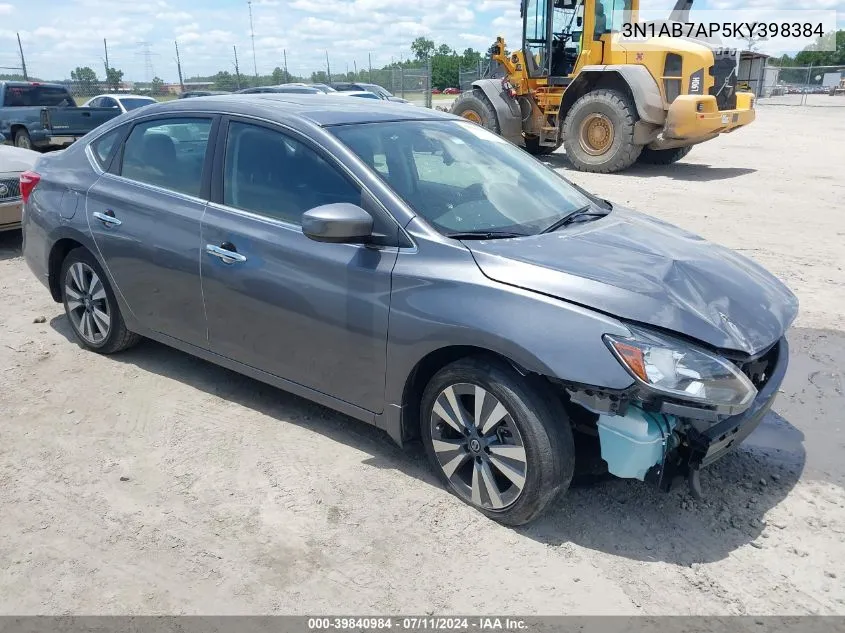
point(408, 82)
point(814, 86)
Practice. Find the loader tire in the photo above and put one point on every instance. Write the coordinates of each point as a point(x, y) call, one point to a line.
point(533, 147)
point(663, 156)
point(598, 132)
point(474, 106)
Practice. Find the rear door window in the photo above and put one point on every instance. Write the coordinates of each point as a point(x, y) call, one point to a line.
point(168, 153)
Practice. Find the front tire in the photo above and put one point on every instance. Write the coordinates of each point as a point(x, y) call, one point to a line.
point(91, 306)
point(499, 441)
point(22, 139)
point(474, 106)
point(598, 132)
point(663, 156)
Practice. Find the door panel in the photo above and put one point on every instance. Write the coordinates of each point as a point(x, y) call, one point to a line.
point(308, 312)
point(312, 313)
point(153, 255)
point(145, 219)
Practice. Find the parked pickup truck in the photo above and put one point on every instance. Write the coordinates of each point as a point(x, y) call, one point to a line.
point(44, 116)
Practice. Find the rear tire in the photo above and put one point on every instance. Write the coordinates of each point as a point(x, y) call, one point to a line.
point(663, 156)
point(519, 456)
point(476, 107)
point(598, 132)
point(22, 139)
point(91, 306)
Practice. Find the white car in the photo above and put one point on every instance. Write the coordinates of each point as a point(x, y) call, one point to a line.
point(13, 161)
point(361, 94)
point(123, 102)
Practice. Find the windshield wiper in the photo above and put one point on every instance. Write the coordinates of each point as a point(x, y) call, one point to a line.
point(576, 216)
point(484, 235)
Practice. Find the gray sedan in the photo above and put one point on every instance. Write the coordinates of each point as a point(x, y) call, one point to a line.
point(413, 270)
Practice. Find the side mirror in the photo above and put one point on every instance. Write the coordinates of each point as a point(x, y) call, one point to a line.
point(339, 223)
point(579, 21)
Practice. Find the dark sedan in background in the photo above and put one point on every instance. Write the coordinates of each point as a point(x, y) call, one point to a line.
point(416, 271)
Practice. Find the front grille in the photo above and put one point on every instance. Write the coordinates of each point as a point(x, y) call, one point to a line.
point(724, 76)
point(10, 189)
point(761, 368)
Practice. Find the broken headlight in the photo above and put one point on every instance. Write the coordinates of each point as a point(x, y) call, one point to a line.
point(680, 370)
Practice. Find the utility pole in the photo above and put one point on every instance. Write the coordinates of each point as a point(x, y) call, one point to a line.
point(252, 36)
point(355, 66)
point(370, 59)
point(328, 68)
point(179, 68)
point(285, 55)
point(23, 59)
point(106, 61)
point(237, 70)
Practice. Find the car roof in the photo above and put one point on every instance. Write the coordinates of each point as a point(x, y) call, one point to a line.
point(117, 95)
point(320, 109)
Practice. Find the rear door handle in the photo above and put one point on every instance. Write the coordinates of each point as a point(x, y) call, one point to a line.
point(107, 218)
point(228, 254)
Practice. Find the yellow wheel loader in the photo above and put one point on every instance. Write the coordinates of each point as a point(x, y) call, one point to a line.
point(610, 100)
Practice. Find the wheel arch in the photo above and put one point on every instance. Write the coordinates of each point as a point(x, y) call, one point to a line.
point(634, 81)
point(427, 367)
point(58, 253)
point(507, 110)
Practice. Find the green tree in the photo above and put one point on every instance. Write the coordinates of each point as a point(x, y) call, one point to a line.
point(422, 48)
point(113, 78)
point(320, 77)
point(86, 78)
point(224, 80)
point(157, 86)
point(278, 76)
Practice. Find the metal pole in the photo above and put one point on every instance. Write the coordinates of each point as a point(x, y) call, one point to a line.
point(370, 59)
point(328, 67)
point(106, 50)
point(804, 92)
point(23, 59)
point(285, 54)
point(252, 36)
point(428, 95)
point(237, 70)
point(402, 79)
point(179, 68)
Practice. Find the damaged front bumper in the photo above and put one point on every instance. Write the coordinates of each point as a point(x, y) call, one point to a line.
point(690, 437)
point(704, 443)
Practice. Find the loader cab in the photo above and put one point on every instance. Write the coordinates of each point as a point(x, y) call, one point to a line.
point(556, 34)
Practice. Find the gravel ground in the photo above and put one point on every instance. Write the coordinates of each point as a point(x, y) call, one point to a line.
point(155, 483)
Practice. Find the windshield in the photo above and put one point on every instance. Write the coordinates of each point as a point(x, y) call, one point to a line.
point(132, 104)
point(462, 178)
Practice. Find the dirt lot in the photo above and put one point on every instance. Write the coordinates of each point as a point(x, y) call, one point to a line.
point(152, 482)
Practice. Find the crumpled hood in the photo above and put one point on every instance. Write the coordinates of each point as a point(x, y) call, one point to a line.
point(638, 268)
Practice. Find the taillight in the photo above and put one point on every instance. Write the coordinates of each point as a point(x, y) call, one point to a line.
point(29, 180)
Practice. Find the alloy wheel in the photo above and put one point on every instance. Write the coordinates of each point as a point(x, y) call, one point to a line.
point(478, 446)
point(87, 303)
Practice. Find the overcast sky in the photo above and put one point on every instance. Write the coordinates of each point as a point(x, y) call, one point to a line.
point(59, 35)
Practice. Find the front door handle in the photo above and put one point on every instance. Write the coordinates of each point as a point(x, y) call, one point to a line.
point(226, 252)
point(107, 218)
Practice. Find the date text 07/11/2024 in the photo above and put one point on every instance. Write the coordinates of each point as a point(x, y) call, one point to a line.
point(420, 623)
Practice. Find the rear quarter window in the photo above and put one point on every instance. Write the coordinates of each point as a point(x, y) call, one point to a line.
point(104, 147)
